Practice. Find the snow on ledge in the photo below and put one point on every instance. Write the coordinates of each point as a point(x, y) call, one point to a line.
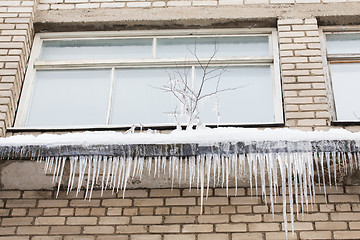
point(202, 137)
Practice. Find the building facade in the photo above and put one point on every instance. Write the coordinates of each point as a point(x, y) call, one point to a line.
point(311, 47)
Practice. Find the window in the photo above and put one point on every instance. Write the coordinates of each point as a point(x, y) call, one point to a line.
point(343, 63)
point(116, 79)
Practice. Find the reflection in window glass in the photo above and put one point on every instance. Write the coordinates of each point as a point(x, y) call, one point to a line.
point(205, 47)
point(247, 95)
point(139, 99)
point(346, 85)
point(96, 49)
point(343, 43)
point(68, 98)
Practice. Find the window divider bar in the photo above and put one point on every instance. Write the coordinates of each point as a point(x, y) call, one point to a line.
point(343, 57)
point(148, 63)
point(154, 47)
point(112, 80)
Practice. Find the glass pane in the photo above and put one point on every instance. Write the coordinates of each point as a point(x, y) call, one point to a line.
point(205, 47)
point(96, 49)
point(72, 97)
point(245, 95)
point(343, 43)
point(346, 84)
point(138, 98)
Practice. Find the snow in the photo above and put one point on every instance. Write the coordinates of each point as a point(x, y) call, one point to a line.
point(293, 167)
point(200, 136)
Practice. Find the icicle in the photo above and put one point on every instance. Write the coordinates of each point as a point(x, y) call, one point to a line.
point(186, 160)
point(149, 165)
point(333, 156)
point(222, 171)
point(202, 179)
point(103, 176)
point(47, 162)
point(51, 163)
point(98, 159)
point(88, 177)
point(76, 160)
point(127, 173)
point(208, 173)
point(180, 170)
point(316, 159)
point(172, 167)
point(191, 170)
point(82, 169)
point(70, 175)
point(121, 173)
point(95, 170)
point(109, 169)
point(351, 161)
point(135, 165)
point(234, 161)
point(155, 165)
point(114, 175)
point(140, 167)
point(262, 176)
point(289, 163)
point(249, 158)
point(283, 187)
point(269, 168)
point(327, 157)
point(216, 161)
point(55, 170)
point(255, 163)
point(344, 162)
point(61, 174)
point(323, 173)
point(295, 174)
point(163, 164)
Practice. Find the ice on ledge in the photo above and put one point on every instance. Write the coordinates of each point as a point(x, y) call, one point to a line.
point(202, 136)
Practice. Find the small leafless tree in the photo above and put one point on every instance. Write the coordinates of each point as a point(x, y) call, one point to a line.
point(180, 85)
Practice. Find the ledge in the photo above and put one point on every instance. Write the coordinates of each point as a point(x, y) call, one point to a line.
point(221, 141)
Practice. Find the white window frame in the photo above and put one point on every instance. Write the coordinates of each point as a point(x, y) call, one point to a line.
point(328, 58)
point(36, 64)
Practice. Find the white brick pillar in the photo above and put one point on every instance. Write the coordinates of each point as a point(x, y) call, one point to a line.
point(16, 34)
point(304, 88)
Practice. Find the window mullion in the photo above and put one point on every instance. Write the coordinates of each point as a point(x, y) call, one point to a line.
point(154, 47)
point(112, 80)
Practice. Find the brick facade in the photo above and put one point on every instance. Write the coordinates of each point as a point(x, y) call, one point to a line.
point(164, 214)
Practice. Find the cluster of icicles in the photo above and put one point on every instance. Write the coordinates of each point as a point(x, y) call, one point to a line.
point(293, 173)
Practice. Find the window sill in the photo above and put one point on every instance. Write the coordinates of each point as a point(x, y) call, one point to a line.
point(137, 127)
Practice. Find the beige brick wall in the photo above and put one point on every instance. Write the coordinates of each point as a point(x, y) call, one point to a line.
point(80, 4)
point(164, 214)
point(303, 81)
point(304, 87)
point(16, 34)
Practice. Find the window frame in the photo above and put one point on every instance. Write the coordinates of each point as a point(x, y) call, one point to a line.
point(34, 64)
point(339, 58)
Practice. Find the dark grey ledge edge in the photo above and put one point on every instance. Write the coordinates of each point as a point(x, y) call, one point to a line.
point(35, 152)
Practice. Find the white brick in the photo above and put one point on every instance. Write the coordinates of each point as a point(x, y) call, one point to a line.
point(87, 5)
point(62, 6)
point(112, 5)
point(138, 4)
point(256, 1)
point(204, 3)
point(178, 3)
point(158, 4)
point(290, 21)
point(231, 2)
